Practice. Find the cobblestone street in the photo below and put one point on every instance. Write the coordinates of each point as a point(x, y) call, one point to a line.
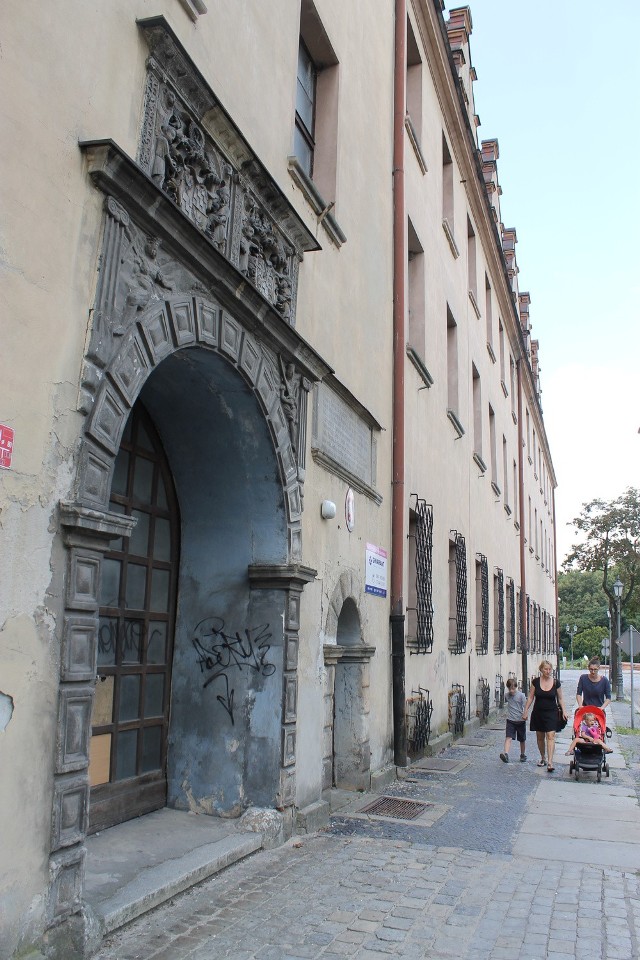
point(369, 887)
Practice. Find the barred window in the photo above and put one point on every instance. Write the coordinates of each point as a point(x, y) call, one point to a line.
point(420, 610)
point(457, 593)
point(498, 611)
point(482, 604)
point(511, 617)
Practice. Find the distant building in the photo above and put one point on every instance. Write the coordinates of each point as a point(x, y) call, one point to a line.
point(277, 497)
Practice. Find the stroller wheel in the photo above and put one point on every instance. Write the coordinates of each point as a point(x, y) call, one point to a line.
point(599, 775)
point(571, 767)
point(577, 773)
point(606, 769)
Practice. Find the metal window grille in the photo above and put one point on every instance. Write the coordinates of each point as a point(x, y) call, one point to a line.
point(537, 627)
point(527, 639)
point(482, 644)
point(499, 691)
point(459, 644)
point(419, 713)
point(499, 632)
point(423, 641)
point(523, 641)
point(483, 698)
point(457, 708)
point(512, 617)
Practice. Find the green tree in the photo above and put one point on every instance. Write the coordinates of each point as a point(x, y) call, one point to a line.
point(610, 546)
point(589, 643)
point(581, 602)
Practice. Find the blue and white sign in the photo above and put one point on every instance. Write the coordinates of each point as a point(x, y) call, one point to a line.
point(375, 580)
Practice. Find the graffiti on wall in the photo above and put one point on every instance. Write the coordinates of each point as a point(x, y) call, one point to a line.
point(221, 652)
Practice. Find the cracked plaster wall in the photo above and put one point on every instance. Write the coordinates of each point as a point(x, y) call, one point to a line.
point(31, 571)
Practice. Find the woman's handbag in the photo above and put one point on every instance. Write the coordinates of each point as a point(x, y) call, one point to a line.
point(560, 720)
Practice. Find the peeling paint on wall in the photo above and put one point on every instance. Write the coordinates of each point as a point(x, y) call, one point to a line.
point(6, 710)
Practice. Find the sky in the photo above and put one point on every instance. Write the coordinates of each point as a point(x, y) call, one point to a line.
point(557, 85)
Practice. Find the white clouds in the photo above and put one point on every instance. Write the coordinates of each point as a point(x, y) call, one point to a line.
point(592, 416)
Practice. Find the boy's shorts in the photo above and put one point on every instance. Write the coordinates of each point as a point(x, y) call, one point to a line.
point(517, 730)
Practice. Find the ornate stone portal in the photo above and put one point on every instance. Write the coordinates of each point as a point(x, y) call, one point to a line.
point(200, 249)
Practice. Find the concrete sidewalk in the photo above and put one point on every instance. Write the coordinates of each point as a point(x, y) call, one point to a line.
point(140, 864)
point(583, 821)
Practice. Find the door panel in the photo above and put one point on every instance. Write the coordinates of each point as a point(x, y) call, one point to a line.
point(138, 579)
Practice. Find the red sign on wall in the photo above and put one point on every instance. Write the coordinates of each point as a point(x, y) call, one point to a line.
point(6, 446)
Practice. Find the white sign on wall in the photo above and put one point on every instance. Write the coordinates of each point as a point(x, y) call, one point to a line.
point(375, 571)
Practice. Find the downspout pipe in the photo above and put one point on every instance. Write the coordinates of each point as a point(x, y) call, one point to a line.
point(522, 612)
point(398, 467)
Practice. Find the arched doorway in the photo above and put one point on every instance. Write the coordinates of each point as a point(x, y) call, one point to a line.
point(351, 751)
point(347, 760)
point(213, 395)
point(137, 599)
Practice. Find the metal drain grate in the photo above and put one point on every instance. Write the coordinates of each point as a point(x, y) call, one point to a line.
point(394, 807)
point(440, 764)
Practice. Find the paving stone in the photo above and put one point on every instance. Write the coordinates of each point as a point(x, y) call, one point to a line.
point(453, 890)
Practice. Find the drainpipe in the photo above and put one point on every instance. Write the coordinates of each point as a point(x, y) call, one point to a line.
point(523, 576)
point(397, 490)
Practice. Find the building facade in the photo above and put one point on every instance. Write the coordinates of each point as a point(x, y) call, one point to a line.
point(276, 496)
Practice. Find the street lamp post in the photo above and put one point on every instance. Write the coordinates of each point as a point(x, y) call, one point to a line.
point(617, 590)
point(605, 658)
point(572, 632)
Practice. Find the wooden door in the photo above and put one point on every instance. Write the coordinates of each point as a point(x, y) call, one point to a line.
point(135, 638)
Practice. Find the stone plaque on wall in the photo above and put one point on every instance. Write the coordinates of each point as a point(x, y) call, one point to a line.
point(344, 440)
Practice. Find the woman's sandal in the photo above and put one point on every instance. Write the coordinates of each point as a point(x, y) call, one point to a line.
point(542, 762)
point(550, 769)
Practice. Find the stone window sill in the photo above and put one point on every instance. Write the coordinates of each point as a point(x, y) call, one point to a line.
point(316, 201)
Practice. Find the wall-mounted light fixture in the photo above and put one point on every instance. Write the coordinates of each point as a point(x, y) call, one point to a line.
point(327, 510)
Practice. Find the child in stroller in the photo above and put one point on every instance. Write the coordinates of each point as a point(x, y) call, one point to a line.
point(588, 745)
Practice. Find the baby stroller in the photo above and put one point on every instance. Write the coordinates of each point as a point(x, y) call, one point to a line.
point(589, 756)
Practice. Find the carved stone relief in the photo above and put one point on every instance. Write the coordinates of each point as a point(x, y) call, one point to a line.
point(134, 274)
point(222, 199)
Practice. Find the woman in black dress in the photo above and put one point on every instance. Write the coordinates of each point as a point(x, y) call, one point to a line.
point(546, 693)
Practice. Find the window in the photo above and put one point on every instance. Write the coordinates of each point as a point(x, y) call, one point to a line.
point(472, 267)
point(493, 451)
point(315, 136)
point(477, 418)
point(447, 185)
point(512, 380)
point(482, 604)
point(505, 474)
point(447, 197)
point(304, 142)
point(457, 593)
point(516, 491)
point(511, 617)
point(501, 349)
point(420, 609)
point(452, 371)
point(414, 85)
point(488, 313)
point(416, 291)
point(498, 611)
